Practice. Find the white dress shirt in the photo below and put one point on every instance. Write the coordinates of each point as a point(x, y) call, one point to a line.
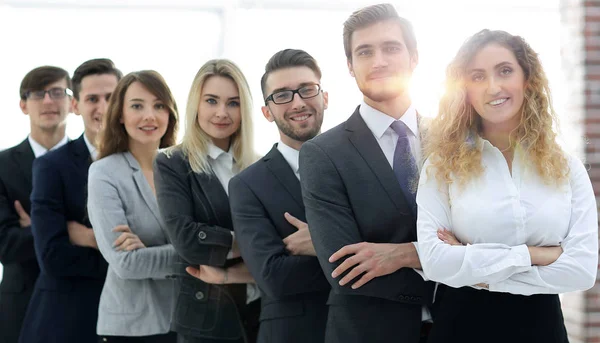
point(497, 216)
point(291, 155)
point(224, 166)
point(379, 124)
point(39, 150)
point(91, 148)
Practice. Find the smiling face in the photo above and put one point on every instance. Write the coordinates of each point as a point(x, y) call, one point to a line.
point(300, 119)
point(381, 62)
point(219, 113)
point(495, 84)
point(94, 95)
point(145, 117)
point(48, 114)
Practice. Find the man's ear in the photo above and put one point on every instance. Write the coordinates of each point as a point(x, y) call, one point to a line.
point(75, 106)
point(414, 60)
point(23, 106)
point(267, 113)
point(349, 62)
point(325, 100)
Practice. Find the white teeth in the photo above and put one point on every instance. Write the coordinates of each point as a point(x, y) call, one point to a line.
point(304, 117)
point(148, 128)
point(498, 102)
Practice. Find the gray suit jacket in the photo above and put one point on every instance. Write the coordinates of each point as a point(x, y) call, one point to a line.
point(137, 297)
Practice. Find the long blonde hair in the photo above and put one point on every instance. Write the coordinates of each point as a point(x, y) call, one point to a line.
point(196, 141)
point(452, 138)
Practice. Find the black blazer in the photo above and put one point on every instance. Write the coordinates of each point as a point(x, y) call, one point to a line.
point(64, 305)
point(294, 289)
point(352, 195)
point(17, 254)
point(195, 210)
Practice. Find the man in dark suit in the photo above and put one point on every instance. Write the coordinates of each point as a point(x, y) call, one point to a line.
point(64, 305)
point(44, 99)
point(359, 181)
point(267, 209)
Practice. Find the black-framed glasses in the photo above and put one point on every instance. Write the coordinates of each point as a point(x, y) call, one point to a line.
point(54, 93)
point(283, 97)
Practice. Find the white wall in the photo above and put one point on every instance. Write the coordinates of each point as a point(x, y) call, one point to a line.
point(176, 37)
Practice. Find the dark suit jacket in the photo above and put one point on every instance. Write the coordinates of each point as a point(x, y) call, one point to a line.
point(17, 254)
point(352, 195)
point(64, 306)
point(195, 210)
point(294, 289)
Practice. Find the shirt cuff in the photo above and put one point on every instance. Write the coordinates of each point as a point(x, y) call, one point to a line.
point(419, 271)
point(230, 253)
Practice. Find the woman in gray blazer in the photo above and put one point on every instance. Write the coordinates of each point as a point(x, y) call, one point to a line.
point(136, 301)
point(216, 300)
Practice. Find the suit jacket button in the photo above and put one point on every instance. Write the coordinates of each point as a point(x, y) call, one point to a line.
point(202, 235)
point(199, 295)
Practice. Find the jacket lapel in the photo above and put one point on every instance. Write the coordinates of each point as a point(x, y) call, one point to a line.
point(216, 197)
point(284, 174)
point(23, 157)
point(363, 140)
point(81, 152)
point(143, 186)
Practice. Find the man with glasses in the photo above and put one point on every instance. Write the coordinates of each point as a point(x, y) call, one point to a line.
point(267, 209)
point(64, 305)
point(46, 100)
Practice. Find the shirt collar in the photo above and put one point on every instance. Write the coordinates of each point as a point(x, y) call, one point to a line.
point(378, 122)
point(92, 149)
point(215, 152)
point(39, 150)
point(291, 155)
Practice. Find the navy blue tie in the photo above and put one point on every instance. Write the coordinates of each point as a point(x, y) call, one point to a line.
point(405, 166)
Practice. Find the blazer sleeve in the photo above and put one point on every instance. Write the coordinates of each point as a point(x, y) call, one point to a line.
point(576, 268)
point(197, 243)
point(56, 255)
point(16, 242)
point(276, 272)
point(332, 226)
point(106, 211)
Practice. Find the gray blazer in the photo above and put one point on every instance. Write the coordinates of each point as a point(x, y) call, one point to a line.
point(138, 293)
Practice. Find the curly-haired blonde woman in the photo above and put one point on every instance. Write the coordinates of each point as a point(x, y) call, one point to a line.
point(506, 218)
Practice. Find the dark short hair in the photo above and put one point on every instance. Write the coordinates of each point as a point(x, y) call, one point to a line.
point(40, 77)
point(97, 66)
point(288, 58)
point(370, 15)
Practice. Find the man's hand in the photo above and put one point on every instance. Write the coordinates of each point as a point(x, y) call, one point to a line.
point(299, 242)
point(81, 235)
point(24, 219)
point(373, 259)
point(127, 241)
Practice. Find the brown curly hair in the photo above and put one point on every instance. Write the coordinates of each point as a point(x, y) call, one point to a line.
point(452, 138)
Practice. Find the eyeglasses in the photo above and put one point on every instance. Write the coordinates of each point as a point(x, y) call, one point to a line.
point(54, 93)
point(283, 97)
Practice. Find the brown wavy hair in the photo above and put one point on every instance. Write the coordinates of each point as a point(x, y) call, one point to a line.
point(113, 137)
point(454, 135)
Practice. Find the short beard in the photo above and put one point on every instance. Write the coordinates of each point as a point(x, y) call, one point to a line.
point(300, 137)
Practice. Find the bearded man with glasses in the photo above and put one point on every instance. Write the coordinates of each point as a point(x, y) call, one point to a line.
point(46, 99)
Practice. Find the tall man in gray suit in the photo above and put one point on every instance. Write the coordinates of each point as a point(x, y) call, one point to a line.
point(267, 209)
point(358, 183)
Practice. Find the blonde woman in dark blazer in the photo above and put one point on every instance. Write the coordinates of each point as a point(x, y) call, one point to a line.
point(216, 297)
point(136, 301)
